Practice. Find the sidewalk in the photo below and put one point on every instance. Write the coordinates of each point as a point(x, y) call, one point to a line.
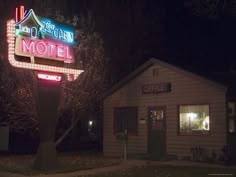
point(188, 164)
point(6, 174)
point(125, 165)
point(122, 166)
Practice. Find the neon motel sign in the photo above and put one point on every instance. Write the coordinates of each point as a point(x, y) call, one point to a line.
point(43, 48)
point(36, 37)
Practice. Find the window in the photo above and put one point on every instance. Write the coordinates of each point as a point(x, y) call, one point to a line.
point(231, 116)
point(194, 120)
point(155, 72)
point(156, 115)
point(125, 119)
point(231, 109)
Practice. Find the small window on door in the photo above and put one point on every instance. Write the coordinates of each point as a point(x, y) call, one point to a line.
point(156, 115)
point(125, 118)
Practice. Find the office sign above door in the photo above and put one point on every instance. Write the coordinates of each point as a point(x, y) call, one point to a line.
point(156, 88)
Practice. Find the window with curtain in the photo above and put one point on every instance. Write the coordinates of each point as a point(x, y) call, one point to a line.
point(125, 118)
point(194, 119)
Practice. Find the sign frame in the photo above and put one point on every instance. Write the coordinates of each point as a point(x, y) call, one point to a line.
point(12, 31)
point(156, 88)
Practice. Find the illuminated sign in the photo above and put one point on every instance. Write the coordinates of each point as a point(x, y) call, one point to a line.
point(19, 13)
point(50, 28)
point(39, 27)
point(43, 48)
point(50, 77)
point(34, 37)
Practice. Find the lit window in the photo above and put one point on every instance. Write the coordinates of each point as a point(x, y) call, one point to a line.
point(194, 119)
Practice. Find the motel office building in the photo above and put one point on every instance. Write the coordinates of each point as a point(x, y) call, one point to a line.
point(167, 110)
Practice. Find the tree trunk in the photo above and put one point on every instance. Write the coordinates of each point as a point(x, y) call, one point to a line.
point(47, 99)
point(66, 133)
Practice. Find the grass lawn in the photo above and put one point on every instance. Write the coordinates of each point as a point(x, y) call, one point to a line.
point(22, 164)
point(170, 171)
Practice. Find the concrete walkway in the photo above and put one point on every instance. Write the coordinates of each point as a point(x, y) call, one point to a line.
point(188, 164)
point(122, 166)
point(125, 165)
point(5, 174)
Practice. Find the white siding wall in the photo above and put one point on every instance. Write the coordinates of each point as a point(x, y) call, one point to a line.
point(186, 89)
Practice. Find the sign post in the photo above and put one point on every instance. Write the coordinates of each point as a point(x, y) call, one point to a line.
point(47, 103)
point(46, 47)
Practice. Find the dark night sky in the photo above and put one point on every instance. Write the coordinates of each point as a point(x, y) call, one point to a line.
point(194, 36)
point(197, 37)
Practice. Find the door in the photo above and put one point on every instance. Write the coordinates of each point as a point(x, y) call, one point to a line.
point(156, 131)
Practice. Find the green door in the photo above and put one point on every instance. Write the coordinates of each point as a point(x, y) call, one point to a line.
point(156, 131)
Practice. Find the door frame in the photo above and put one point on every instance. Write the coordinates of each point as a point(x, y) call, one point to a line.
point(148, 125)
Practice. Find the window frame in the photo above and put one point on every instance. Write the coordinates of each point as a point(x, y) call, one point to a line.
point(115, 132)
point(155, 71)
point(231, 117)
point(179, 133)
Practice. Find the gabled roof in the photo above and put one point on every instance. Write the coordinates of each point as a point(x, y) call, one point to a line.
point(153, 61)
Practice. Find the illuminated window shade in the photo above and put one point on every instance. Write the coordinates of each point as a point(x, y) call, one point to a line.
point(194, 119)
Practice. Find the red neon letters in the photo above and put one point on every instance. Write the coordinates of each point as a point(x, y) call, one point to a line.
point(50, 77)
point(19, 13)
point(44, 49)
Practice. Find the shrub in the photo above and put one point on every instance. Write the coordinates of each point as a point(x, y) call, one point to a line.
point(197, 153)
point(228, 155)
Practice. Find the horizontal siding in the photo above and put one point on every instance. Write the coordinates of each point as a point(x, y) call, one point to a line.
point(186, 89)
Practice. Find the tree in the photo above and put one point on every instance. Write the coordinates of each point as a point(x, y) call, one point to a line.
point(17, 102)
point(83, 95)
point(16, 93)
point(211, 8)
